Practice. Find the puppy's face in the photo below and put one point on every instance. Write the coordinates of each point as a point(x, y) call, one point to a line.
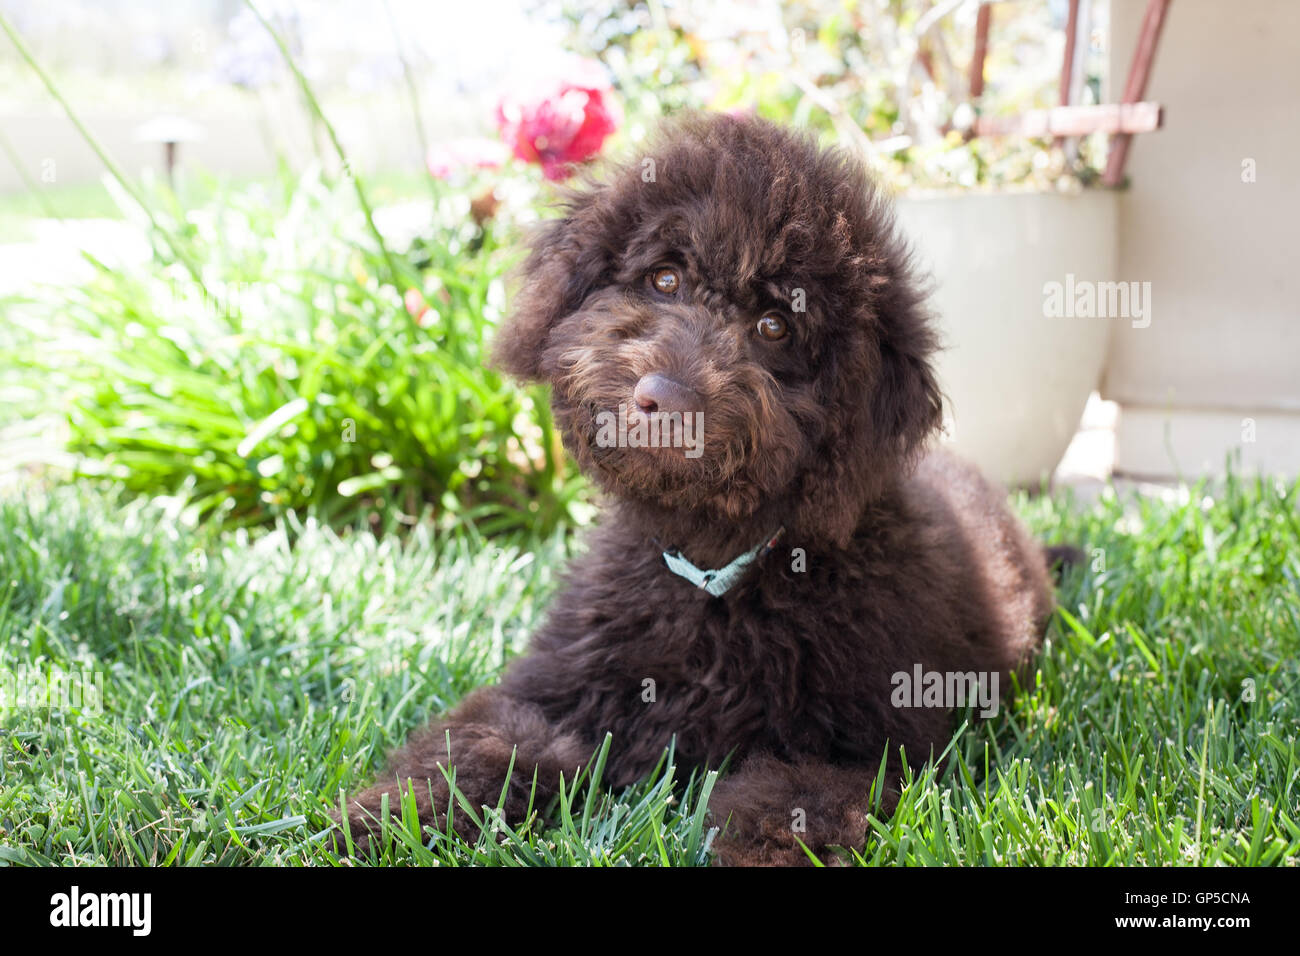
point(728, 323)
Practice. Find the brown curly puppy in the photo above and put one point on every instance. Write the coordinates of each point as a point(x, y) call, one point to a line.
point(745, 293)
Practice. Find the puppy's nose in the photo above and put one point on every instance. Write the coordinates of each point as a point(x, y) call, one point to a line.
point(659, 393)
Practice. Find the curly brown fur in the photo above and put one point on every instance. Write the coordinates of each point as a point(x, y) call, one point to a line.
point(893, 555)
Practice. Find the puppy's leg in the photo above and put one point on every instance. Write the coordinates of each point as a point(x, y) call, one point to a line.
point(767, 807)
point(485, 729)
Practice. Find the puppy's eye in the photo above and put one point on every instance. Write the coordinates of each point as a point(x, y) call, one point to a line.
point(772, 326)
point(666, 280)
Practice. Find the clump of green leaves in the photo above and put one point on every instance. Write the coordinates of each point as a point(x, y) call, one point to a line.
point(300, 373)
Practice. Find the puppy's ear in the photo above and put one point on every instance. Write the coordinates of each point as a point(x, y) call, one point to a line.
point(882, 428)
point(558, 274)
point(907, 406)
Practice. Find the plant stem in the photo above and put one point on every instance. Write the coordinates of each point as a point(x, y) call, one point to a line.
point(394, 274)
point(35, 190)
point(416, 113)
point(107, 160)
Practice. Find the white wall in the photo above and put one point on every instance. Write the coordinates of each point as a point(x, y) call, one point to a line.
point(1223, 255)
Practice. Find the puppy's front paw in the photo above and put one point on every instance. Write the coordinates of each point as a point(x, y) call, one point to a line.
point(770, 811)
point(782, 834)
point(366, 817)
point(361, 828)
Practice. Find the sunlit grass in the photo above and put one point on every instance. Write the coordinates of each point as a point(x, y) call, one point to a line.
point(248, 677)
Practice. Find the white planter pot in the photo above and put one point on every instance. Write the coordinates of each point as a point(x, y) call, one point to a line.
point(1015, 378)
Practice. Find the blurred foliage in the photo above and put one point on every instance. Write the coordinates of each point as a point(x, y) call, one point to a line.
point(890, 77)
point(297, 377)
point(277, 353)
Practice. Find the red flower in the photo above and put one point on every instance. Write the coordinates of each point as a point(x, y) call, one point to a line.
point(566, 122)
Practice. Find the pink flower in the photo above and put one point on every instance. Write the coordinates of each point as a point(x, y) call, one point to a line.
point(564, 122)
point(451, 157)
point(415, 305)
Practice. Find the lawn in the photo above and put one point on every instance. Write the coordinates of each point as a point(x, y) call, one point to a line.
point(248, 675)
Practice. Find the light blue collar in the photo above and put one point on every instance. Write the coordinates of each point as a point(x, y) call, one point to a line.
point(718, 582)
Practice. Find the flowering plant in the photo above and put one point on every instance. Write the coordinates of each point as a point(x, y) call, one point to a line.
point(566, 121)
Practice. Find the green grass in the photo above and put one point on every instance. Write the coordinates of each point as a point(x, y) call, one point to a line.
point(91, 200)
point(246, 679)
point(80, 201)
